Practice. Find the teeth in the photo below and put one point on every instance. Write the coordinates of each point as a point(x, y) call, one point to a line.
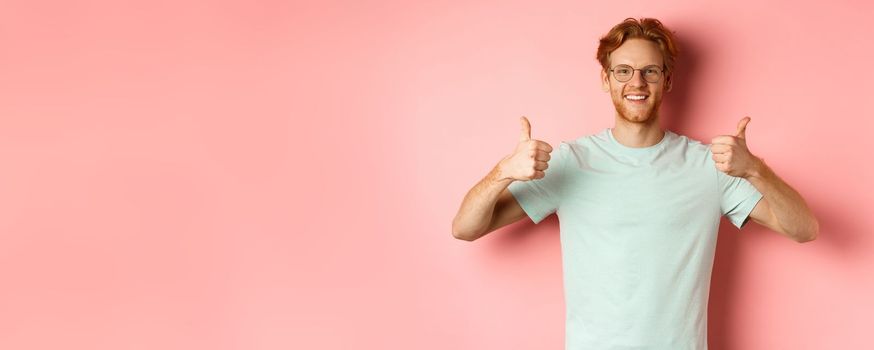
point(635, 97)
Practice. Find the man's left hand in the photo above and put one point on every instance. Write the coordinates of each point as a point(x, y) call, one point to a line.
point(732, 155)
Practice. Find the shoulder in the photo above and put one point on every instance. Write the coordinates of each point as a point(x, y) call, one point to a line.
point(571, 151)
point(690, 146)
point(589, 142)
point(691, 152)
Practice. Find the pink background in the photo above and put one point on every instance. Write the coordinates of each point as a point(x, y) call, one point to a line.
point(275, 175)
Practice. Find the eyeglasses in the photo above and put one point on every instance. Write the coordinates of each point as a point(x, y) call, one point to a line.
point(624, 72)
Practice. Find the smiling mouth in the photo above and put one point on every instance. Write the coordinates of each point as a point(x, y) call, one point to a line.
point(636, 98)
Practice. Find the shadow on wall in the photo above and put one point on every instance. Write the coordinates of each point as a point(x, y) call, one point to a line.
point(674, 110)
point(839, 232)
point(723, 285)
point(518, 236)
point(838, 238)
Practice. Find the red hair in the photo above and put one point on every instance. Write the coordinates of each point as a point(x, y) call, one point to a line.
point(646, 28)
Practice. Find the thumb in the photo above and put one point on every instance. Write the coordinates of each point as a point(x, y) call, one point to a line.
point(742, 127)
point(526, 130)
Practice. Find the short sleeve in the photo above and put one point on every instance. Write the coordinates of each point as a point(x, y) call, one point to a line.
point(541, 197)
point(739, 197)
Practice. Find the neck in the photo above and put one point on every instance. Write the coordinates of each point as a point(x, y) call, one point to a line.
point(637, 135)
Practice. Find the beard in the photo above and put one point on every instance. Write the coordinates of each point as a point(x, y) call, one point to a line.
point(645, 114)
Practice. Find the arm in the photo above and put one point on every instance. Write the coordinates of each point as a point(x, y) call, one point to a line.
point(781, 209)
point(489, 205)
point(486, 207)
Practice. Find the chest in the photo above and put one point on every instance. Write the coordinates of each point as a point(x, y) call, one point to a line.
point(658, 198)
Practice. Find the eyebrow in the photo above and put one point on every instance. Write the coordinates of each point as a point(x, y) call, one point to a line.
point(646, 65)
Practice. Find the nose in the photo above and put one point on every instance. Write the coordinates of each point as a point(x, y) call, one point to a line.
point(637, 78)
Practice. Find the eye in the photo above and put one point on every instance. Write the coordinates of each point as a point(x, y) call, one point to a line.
point(622, 70)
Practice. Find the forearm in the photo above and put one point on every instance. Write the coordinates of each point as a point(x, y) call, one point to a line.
point(786, 204)
point(478, 206)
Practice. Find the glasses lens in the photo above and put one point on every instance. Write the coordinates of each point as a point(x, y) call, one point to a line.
point(622, 73)
point(652, 74)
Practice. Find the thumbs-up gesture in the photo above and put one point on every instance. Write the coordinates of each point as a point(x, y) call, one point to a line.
point(529, 160)
point(731, 153)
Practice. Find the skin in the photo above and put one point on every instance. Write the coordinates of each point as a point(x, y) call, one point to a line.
point(489, 205)
point(636, 125)
point(781, 209)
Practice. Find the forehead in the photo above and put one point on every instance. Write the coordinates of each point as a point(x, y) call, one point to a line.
point(637, 53)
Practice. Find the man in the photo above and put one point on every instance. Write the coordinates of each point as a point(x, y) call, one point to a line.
point(638, 206)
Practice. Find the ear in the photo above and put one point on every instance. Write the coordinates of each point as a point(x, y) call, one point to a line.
point(605, 83)
point(669, 80)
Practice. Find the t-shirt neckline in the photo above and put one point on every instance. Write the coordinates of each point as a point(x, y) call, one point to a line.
point(637, 150)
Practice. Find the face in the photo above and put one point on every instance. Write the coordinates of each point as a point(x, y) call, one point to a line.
point(637, 53)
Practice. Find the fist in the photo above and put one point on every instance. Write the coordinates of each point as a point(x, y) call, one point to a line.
point(529, 160)
point(731, 154)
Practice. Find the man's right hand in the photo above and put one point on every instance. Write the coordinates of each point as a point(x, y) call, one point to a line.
point(529, 160)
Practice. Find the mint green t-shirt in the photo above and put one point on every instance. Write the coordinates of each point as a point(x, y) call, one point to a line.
point(638, 235)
